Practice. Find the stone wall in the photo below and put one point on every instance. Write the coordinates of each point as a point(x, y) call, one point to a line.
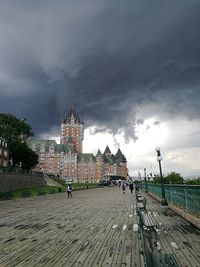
point(11, 182)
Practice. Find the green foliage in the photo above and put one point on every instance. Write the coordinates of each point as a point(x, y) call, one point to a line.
point(80, 186)
point(156, 180)
point(12, 128)
point(15, 132)
point(26, 193)
point(104, 183)
point(52, 191)
point(21, 153)
point(5, 195)
point(42, 192)
point(173, 178)
point(193, 181)
point(32, 191)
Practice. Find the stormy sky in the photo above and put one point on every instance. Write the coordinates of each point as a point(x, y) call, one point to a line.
point(130, 68)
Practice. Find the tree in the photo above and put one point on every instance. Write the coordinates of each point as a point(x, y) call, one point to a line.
point(16, 132)
point(173, 178)
point(156, 179)
point(12, 128)
point(194, 181)
point(22, 155)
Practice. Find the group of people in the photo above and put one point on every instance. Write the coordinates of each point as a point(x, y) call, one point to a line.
point(120, 184)
point(124, 185)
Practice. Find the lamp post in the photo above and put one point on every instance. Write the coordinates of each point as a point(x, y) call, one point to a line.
point(159, 158)
point(139, 177)
point(145, 180)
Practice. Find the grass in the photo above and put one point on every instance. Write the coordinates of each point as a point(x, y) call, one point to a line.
point(42, 190)
point(81, 186)
point(32, 191)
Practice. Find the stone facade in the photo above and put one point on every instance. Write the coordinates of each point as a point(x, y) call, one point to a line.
point(72, 128)
point(56, 159)
point(11, 182)
point(66, 159)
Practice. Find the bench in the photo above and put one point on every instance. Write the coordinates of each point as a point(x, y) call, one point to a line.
point(137, 195)
point(147, 222)
point(141, 204)
point(153, 253)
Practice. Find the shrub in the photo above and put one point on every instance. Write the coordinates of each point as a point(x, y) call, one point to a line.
point(26, 193)
point(41, 193)
point(5, 195)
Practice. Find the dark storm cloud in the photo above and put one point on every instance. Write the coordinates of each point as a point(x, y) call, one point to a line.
point(107, 58)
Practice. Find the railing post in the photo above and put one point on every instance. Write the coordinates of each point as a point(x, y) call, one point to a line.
point(170, 193)
point(186, 200)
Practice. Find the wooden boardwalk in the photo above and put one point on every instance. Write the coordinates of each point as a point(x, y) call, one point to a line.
point(97, 227)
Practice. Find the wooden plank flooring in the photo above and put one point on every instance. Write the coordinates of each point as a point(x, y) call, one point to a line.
point(97, 227)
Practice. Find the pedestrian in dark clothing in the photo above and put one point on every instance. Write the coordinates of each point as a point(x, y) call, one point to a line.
point(131, 187)
point(123, 188)
point(69, 191)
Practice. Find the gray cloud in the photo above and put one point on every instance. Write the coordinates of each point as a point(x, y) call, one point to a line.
point(156, 123)
point(106, 58)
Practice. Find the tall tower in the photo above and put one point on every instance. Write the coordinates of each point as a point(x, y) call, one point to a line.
point(72, 128)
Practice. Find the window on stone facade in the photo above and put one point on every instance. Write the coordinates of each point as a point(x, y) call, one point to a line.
point(51, 149)
point(42, 148)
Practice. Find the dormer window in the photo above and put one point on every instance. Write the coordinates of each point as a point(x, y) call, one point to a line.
point(51, 149)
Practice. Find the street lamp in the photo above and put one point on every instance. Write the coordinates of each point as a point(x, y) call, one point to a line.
point(145, 180)
point(140, 178)
point(159, 158)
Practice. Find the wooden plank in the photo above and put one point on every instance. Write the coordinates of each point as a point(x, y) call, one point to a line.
point(98, 227)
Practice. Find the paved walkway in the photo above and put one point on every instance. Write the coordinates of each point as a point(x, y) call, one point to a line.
point(97, 227)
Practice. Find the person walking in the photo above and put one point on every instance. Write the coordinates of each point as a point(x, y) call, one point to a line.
point(123, 188)
point(131, 187)
point(69, 191)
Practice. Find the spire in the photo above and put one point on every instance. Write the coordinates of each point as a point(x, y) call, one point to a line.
point(107, 151)
point(98, 153)
point(72, 114)
point(119, 153)
point(120, 157)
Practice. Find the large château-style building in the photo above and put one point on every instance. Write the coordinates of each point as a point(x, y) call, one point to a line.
point(67, 159)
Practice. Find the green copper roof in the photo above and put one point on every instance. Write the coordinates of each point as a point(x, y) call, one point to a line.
point(86, 156)
point(98, 153)
point(119, 156)
point(107, 150)
point(108, 160)
point(47, 144)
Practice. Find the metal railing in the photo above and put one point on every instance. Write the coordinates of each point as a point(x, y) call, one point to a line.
point(183, 196)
